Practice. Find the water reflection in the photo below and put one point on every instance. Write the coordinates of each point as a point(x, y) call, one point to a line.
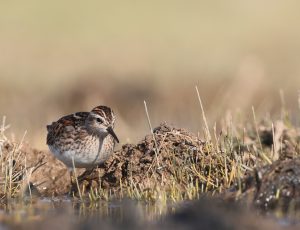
point(65, 213)
point(68, 212)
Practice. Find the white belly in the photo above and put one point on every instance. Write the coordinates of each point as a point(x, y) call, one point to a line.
point(83, 157)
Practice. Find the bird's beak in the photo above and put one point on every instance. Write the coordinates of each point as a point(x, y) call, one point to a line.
point(111, 132)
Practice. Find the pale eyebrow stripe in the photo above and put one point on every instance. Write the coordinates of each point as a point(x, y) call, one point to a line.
point(76, 116)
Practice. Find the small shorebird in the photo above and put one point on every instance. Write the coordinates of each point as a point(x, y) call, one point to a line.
point(83, 139)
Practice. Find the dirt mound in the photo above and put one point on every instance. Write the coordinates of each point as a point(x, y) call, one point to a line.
point(171, 158)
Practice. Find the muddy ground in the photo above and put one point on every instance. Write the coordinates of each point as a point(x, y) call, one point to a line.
point(165, 161)
point(179, 160)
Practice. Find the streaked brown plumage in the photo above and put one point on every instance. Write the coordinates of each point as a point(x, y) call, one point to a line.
point(85, 137)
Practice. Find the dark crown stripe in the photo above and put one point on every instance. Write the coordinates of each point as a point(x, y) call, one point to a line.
point(104, 112)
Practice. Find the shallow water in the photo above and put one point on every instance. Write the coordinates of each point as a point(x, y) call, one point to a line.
point(67, 212)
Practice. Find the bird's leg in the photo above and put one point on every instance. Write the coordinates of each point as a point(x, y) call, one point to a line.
point(86, 173)
point(72, 176)
point(72, 181)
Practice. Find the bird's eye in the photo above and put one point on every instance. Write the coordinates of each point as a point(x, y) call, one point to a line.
point(99, 120)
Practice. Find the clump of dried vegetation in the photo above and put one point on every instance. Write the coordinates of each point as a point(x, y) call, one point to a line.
point(12, 166)
point(15, 169)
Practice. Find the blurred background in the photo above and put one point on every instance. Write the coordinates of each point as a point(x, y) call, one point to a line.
point(59, 57)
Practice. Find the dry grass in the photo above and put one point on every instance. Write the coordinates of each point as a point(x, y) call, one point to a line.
point(198, 167)
point(15, 174)
point(10, 161)
point(176, 173)
point(208, 165)
point(177, 165)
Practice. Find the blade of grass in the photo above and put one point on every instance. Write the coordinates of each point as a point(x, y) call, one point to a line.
point(76, 179)
point(153, 135)
point(208, 136)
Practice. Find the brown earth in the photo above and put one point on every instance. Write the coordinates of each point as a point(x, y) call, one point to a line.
point(160, 163)
point(182, 160)
point(137, 165)
point(146, 165)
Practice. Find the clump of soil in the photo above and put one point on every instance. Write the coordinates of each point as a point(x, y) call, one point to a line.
point(169, 157)
point(282, 139)
point(275, 186)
